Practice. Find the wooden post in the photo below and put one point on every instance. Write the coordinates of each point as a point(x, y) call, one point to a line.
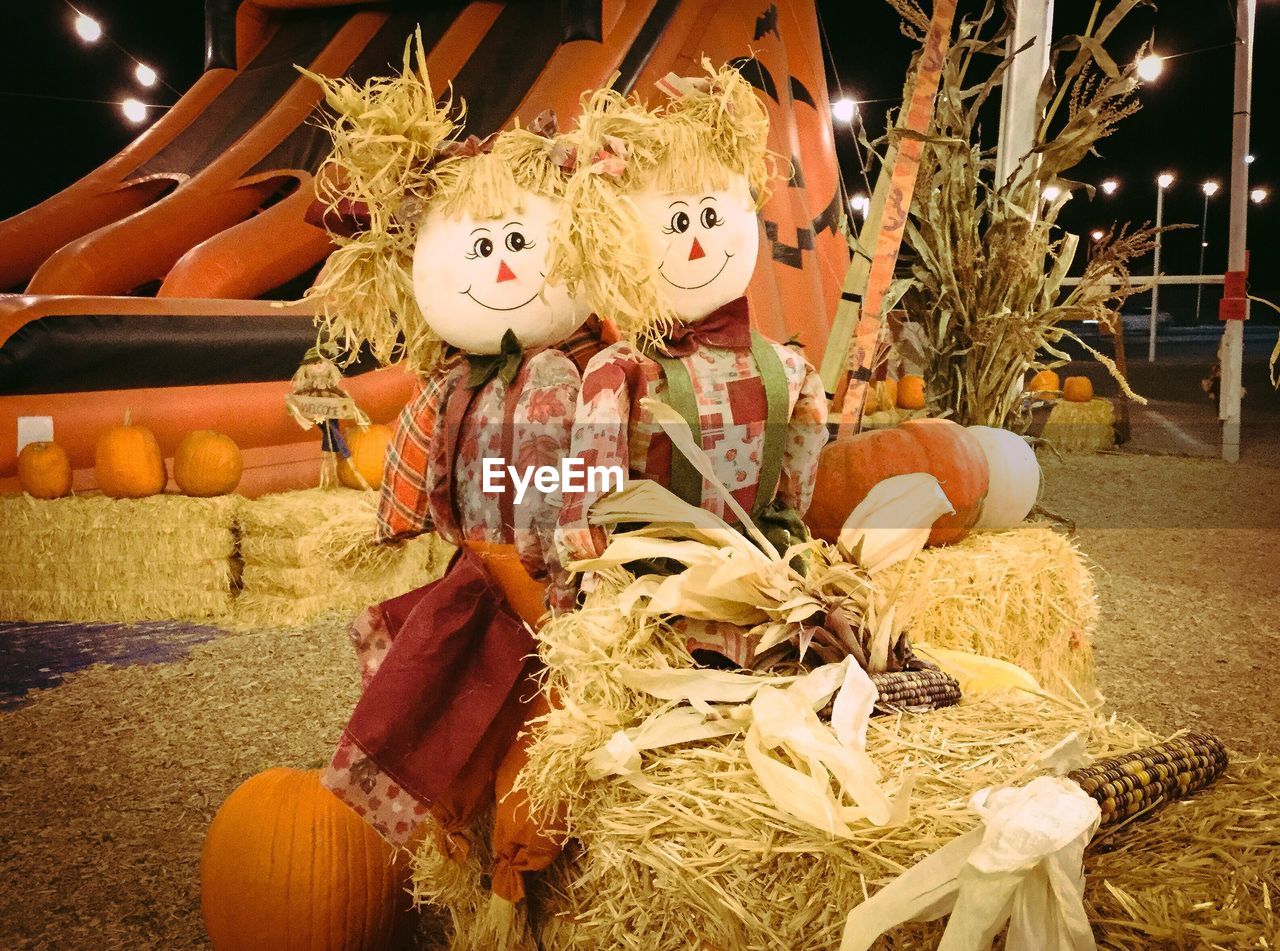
point(888, 240)
point(1019, 110)
point(1236, 309)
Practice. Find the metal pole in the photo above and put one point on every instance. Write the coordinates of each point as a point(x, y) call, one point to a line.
point(1204, 226)
point(1155, 276)
point(1232, 350)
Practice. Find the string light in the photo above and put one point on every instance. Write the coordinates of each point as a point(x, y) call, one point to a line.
point(1096, 234)
point(1052, 192)
point(133, 110)
point(860, 203)
point(1110, 186)
point(1259, 195)
point(145, 75)
point(89, 29)
point(844, 110)
point(1150, 67)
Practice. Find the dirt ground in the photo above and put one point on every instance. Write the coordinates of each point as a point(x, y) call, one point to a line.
point(1187, 559)
point(108, 782)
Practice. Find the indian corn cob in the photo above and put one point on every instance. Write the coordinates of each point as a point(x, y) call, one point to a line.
point(1126, 785)
point(909, 689)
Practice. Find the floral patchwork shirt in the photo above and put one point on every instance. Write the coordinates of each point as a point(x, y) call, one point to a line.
point(610, 427)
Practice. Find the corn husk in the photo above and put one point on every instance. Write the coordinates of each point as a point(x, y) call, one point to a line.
point(893, 522)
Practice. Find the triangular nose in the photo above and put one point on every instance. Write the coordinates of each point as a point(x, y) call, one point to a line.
point(505, 273)
point(696, 251)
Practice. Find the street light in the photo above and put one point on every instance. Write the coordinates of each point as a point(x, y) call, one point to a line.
point(1163, 181)
point(1210, 188)
point(844, 110)
point(1150, 67)
point(1096, 234)
point(1110, 186)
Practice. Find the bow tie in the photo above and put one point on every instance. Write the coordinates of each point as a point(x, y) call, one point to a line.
point(504, 364)
point(728, 327)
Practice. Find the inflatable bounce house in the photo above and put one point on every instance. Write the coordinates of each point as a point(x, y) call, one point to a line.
point(165, 281)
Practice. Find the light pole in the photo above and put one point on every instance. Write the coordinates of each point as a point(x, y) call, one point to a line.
point(1210, 188)
point(1163, 182)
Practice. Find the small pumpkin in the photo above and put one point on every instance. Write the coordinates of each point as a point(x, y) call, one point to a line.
point(288, 865)
point(207, 463)
point(849, 468)
point(1077, 389)
point(881, 395)
point(44, 471)
point(911, 392)
point(128, 463)
point(1014, 478)
point(1046, 381)
point(368, 455)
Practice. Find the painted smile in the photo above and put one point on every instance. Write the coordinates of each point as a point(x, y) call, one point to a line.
point(491, 307)
point(694, 287)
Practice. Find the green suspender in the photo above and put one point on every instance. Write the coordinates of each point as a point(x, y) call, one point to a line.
point(774, 378)
point(686, 481)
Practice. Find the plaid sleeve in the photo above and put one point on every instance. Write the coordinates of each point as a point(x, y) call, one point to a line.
point(806, 433)
point(402, 506)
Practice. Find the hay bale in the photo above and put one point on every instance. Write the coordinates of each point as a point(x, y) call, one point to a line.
point(694, 854)
point(312, 552)
point(1025, 596)
point(1081, 427)
point(89, 557)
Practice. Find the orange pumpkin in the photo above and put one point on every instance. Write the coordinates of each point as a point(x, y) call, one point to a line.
point(881, 394)
point(911, 392)
point(1077, 389)
point(128, 463)
point(849, 468)
point(1046, 381)
point(44, 471)
point(207, 463)
point(287, 865)
point(368, 455)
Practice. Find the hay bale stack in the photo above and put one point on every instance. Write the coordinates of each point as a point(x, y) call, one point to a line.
point(89, 557)
point(1081, 427)
point(1025, 596)
point(311, 552)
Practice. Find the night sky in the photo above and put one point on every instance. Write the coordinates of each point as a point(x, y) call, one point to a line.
point(1184, 126)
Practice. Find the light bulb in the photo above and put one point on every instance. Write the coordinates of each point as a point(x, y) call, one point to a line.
point(89, 29)
point(145, 74)
point(844, 110)
point(1150, 67)
point(133, 110)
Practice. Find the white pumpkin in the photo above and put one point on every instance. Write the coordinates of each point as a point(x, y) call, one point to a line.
point(1015, 478)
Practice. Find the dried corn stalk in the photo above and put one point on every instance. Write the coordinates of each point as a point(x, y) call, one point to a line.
point(987, 301)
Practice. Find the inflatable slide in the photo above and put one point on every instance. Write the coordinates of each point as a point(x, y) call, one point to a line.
point(158, 282)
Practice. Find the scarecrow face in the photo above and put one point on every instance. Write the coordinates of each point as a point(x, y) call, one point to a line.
point(707, 243)
point(477, 278)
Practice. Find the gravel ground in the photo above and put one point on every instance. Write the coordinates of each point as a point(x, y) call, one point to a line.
point(1187, 558)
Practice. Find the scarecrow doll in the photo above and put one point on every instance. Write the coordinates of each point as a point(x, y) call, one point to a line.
point(692, 176)
point(451, 261)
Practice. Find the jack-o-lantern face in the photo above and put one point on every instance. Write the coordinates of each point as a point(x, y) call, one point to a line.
point(707, 243)
point(477, 278)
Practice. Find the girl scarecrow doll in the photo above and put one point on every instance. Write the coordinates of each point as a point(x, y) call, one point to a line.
point(451, 260)
point(693, 175)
